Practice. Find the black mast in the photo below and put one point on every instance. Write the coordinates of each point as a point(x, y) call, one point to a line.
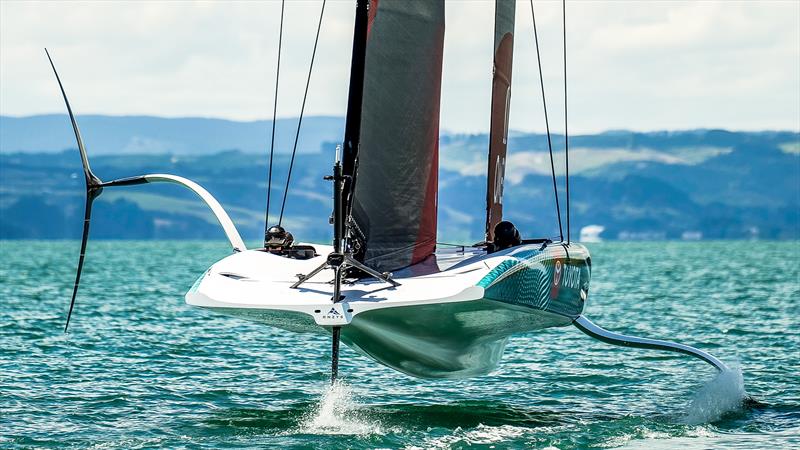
point(352, 128)
point(344, 174)
point(342, 258)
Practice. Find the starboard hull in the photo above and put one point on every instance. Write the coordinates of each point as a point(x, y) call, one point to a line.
point(450, 317)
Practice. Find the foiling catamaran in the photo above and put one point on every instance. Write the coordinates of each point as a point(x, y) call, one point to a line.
point(383, 287)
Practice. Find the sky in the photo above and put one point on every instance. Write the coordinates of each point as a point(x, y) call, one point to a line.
point(632, 64)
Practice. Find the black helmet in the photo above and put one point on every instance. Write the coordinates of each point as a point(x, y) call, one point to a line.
point(278, 237)
point(506, 235)
point(276, 230)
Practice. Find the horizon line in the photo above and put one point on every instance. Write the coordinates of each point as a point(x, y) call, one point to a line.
point(441, 131)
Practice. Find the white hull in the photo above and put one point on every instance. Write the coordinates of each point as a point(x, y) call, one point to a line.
point(450, 317)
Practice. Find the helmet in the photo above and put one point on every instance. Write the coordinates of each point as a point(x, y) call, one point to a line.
point(506, 235)
point(278, 237)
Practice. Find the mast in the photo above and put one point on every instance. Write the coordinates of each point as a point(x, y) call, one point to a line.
point(501, 103)
point(344, 173)
point(352, 128)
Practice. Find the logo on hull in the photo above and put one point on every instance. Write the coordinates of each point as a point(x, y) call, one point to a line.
point(557, 273)
point(332, 314)
point(566, 276)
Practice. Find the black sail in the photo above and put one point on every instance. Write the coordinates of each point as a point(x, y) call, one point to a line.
point(394, 203)
point(501, 103)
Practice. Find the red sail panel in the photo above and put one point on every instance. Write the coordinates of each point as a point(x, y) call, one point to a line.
point(394, 203)
point(501, 103)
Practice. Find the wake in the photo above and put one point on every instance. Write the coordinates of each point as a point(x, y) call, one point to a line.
point(724, 394)
point(338, 412)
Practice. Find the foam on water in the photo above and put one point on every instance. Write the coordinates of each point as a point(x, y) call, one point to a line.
point(481, 435)
point(337, 412)
point(722, 395)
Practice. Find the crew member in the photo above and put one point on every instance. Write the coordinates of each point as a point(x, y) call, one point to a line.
point(278, 239)
point(506, 236)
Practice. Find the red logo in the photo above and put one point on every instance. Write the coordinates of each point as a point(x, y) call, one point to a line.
point(556, 279)
point(557, 273)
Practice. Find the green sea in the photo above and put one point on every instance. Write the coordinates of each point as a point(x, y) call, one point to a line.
point(141, 369)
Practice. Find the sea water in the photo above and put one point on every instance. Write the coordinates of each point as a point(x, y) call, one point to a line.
point(141, 369)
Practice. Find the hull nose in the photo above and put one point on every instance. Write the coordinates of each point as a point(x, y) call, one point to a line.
point(336, 314)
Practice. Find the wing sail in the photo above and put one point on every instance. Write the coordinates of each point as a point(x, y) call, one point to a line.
point(394, 200)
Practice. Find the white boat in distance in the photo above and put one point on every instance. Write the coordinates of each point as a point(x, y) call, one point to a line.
point(384, 287)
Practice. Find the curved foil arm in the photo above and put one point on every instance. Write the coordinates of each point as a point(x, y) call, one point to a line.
point(227, 224)
point(588, 327)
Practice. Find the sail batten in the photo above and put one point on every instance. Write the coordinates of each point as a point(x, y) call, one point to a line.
point(501, 105)
point(394, 201)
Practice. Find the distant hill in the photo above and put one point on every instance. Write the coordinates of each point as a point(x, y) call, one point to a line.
point(696, 184)
point(121, 135)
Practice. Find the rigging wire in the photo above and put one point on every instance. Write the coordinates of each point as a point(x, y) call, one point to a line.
point(302, 109)
point(566, 133)
point(547, 124)
point(274, 116)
